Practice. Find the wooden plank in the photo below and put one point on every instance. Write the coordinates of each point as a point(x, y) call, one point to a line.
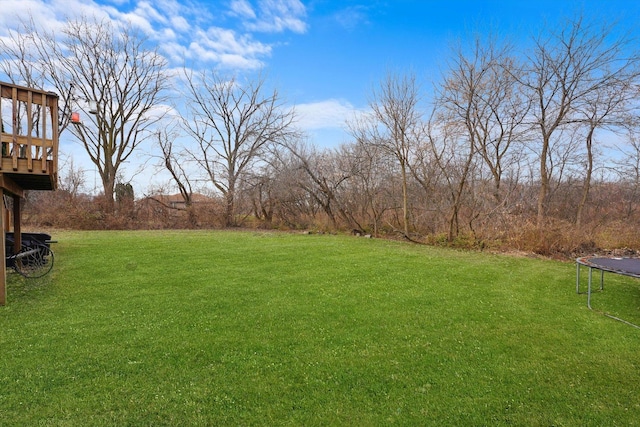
point(53, 109)
point(9, 186)
point(22, 167)
point(28, 148)
point(43, 142)
point(6, 89)
point(22, 140)
point(15, 147)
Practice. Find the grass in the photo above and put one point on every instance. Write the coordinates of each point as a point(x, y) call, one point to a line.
point(243, 328)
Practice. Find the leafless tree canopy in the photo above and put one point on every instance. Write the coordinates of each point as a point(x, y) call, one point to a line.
point(533, 148)
point(232, 123)
point(562, 75)
point(394, 125)
point(19, 61)
point(109, 75)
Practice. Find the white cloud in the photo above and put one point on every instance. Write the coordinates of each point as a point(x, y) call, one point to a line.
point(149, 11)
point(182, 30)
point(242, 9)
point(277, 16)
point(142, 23)
point(180, 24)
point(47, 15)
point(230, 50)
point(231, 60)
point(328, 114)
point(175, 52)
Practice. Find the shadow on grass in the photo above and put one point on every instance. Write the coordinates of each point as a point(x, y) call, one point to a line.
point(23, 290)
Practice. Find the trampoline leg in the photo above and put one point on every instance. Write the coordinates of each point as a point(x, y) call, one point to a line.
point(601, 280)
point(589, 289)
point(577, 278)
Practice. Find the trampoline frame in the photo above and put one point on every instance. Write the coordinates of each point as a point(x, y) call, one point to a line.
point(591, 264)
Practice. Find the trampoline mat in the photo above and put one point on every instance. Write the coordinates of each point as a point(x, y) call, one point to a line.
point(626, 266)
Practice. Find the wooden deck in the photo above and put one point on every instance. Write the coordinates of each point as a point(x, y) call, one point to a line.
point(29, 137)
point(28, 154)
point(30, 173)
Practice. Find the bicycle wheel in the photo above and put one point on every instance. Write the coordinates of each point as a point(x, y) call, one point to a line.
point(34, 261)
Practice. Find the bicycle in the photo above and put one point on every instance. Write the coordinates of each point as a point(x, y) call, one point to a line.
point(35, 259)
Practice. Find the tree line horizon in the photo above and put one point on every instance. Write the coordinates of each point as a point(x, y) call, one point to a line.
point(532, 148)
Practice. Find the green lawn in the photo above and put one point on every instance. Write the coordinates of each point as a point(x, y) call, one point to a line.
point(249, 328)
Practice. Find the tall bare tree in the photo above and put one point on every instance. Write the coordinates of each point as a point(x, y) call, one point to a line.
point(480, 114)
point(232, 123)
point(175, 160)
point(610, 107)
point(394, 125)
point(455, 155)
point(106, 71)
point(628, 169)
point(565, 69)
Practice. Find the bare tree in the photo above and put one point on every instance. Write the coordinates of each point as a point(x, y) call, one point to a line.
point(564, 70)
point(429, 176)
point(73, 180)
point(394, 125)
point(175, 160)
point(325, 174)
point(280, 190)
point(610, 107)
point(19, 65)
point(627, 167)
point(19, 60)
point(109, 72)
point(370, 187)
point(455, 156)
point(232, 123)
point(479, 114)
point(261, 187)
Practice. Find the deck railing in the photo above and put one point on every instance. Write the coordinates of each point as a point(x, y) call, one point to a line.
point(29, 130)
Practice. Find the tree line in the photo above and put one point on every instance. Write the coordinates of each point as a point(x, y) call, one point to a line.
point(532, 148)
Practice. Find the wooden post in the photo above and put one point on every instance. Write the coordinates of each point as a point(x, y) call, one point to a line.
point(3, 264)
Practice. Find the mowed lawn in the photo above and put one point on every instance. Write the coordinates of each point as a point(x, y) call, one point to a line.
point(257, 328)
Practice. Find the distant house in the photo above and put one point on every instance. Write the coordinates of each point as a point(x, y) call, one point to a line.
point(176, 201)
point(170, 210)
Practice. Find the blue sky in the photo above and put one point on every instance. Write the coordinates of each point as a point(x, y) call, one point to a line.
point(325, 56)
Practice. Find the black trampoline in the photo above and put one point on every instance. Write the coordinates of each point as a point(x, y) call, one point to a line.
point(623, 266)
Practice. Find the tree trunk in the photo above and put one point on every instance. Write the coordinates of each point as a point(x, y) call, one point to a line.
point(108, 185)
point(405, 200)
point(544, 185)
point(229, 210)
point(587, 179)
